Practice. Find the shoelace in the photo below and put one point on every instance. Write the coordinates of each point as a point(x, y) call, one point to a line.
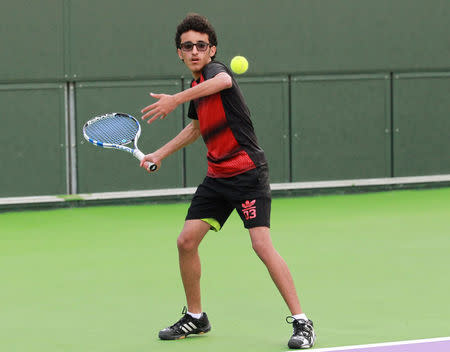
point(301, 326)
point(183, 320)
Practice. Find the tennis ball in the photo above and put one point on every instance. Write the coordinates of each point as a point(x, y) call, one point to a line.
point(239, 65)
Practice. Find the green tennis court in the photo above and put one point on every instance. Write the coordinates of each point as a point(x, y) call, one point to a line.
point(369, 268)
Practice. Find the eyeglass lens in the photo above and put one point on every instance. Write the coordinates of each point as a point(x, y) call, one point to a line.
point(188, 46)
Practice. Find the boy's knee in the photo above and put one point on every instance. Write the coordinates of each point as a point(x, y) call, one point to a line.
point(186, 242)
point(263, 249)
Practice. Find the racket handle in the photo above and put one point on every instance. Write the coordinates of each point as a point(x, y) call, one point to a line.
point(148, 165)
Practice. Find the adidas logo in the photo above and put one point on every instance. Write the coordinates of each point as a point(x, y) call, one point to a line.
point(249, 209)
point(188, 327)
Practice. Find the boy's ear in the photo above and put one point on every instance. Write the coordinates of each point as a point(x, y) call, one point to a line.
point(180, 55)
point(212, 51)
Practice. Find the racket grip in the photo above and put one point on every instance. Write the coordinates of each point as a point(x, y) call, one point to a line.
point(148, 165)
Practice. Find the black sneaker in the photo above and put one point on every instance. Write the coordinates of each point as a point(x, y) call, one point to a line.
point(187, 325)
point(304, 335)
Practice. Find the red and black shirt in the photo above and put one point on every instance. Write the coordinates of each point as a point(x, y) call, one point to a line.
point(226, 128)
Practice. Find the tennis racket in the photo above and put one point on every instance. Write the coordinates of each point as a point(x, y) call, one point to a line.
point(115, 130)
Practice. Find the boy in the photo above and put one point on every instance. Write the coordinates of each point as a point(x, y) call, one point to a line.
point(237, 176)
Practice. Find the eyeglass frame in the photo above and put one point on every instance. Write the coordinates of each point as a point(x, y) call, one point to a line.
point(196, 45)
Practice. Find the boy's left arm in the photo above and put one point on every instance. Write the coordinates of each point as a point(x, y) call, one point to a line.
point(167, 103)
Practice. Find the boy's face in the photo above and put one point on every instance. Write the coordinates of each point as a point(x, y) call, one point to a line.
point(195, 59)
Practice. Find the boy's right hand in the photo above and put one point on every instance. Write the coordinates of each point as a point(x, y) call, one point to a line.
point(153, 159)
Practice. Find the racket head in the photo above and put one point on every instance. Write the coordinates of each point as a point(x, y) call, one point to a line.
point(112, 130)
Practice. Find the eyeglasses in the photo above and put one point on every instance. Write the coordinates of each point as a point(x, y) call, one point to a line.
point(188, 46)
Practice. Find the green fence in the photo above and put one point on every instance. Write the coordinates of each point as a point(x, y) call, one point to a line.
point(344, 89)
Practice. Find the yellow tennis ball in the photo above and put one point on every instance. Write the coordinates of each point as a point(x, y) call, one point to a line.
point(239, 65)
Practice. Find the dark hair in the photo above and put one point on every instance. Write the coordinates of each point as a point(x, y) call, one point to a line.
point(197, 23)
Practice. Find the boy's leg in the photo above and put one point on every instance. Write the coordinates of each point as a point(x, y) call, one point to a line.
point(277, 267)
point(188, 241)
point(190, 267)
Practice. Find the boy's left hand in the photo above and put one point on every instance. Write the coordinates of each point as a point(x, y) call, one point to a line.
point(164, 106)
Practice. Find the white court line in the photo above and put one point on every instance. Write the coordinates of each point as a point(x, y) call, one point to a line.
point(344, 348)
point(360, 182)
point(170, 192)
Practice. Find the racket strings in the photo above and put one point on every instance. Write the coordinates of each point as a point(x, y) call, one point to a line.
point(113, 129)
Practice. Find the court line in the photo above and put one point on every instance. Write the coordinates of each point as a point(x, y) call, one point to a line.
point(360, 182)
point(291, 186)
point(383, 344)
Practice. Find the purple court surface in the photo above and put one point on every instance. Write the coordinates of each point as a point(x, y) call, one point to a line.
point(441, 344)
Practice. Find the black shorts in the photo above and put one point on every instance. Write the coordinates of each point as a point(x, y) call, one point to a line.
point(248, 193)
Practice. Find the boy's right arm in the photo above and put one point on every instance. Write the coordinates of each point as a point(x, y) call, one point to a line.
point(187, 136)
